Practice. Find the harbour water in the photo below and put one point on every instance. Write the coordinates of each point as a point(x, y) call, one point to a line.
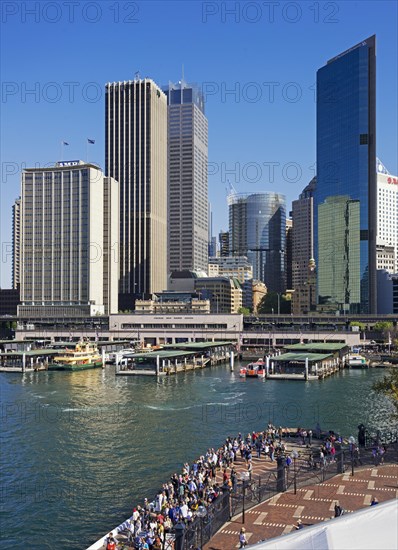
point(80, 449)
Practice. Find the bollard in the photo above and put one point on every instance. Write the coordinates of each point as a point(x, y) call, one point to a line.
point(281, 478)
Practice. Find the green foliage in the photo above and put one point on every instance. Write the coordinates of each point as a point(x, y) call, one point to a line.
point(383, 326)
point(269, 302)
point(244, 311)
point(388, 386)
point(358, 324)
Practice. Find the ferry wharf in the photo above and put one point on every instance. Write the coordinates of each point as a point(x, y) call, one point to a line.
point(174, 359)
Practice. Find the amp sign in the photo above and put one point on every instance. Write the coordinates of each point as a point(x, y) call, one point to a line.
point(68, 163)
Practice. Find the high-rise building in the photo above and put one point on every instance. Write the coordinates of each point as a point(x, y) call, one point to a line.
point(136, 156)
point(289, 253)
point(16, 243)
point(69, 237)
point(387, 221)
point(339, 253)
point(302, 234)
point(188, 215)
point(304, 295)
point(223, 239)
point(346, 180)
point(258, 230)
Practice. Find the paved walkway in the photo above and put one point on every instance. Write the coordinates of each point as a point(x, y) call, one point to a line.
point(312, 504)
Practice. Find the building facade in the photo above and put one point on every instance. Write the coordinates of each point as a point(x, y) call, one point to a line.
point(236, 267)
point(16, 243)
point(289, 253)
point(69, 233)
point(258, 230)
point(188, 212)
point(339, 277)
point(225, 294)
point(387, 292)
point(346, 160)
point(304, 295)
point(136, 156)
point(223, 239)
point(303, 234)
point(387, 222)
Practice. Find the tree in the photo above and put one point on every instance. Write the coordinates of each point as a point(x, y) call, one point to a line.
point(388, 386)
point(269, 304)
point(244, 311)
point(361, 326)
point(383, 326)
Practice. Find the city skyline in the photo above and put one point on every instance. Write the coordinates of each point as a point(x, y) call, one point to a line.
point(250, 136)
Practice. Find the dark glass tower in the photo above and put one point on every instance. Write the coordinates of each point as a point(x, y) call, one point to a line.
point(257, 229)
point(346, 181)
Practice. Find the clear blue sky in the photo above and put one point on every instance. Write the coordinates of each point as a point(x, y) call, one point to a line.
point(268, 52)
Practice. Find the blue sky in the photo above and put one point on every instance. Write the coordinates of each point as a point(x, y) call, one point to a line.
point(256, 62)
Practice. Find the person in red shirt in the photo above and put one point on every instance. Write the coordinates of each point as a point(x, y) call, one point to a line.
point(111, 542)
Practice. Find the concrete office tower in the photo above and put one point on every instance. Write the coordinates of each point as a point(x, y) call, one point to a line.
point(346, 160)
point(16, 243)
point(302, 234)
point(136, 156)
point(258, 230)
point(339, 253)
point(387, 220)
point(289, 253)
point(69, 235)
point(188, 214)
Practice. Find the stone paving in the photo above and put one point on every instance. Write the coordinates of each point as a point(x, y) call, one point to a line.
point(312, 504)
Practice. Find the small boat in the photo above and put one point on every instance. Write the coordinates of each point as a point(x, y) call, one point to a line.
point(85, 355)
point(357, 362)
point(253, 370)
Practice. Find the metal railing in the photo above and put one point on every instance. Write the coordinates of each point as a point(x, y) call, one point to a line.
point(247, 493)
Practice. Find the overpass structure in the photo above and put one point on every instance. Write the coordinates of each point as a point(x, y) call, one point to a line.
point(172, 329)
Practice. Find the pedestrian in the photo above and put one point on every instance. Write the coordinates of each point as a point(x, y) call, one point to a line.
point(309, 434)
point(242, 538)
point(111, 542)
point(374, 501)
point(299, 524)
point(337, 509)
point(250, 469)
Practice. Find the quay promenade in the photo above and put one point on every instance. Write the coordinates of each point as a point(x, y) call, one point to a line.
point(311, 504)
point(258, 482)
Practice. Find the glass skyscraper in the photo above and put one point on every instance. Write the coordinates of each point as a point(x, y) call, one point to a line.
point(257, 229)
point(345, 194)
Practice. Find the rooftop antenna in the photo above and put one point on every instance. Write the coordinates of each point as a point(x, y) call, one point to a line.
point(182, 76)
point(137, 75)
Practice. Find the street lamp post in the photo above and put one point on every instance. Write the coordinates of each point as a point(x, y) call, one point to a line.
point(201, 513)
point(351, 441)
point(295, 456)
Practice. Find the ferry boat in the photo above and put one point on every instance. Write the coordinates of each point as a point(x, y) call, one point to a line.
point(85, 355)
point(253, 370)
point(357, 362)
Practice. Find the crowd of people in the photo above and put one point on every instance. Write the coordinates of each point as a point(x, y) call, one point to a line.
point(197, 486)
point(191, 493)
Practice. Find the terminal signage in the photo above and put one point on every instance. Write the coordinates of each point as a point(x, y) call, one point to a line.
point(392, 180)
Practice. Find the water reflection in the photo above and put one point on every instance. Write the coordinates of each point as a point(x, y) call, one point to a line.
point(79, 449)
